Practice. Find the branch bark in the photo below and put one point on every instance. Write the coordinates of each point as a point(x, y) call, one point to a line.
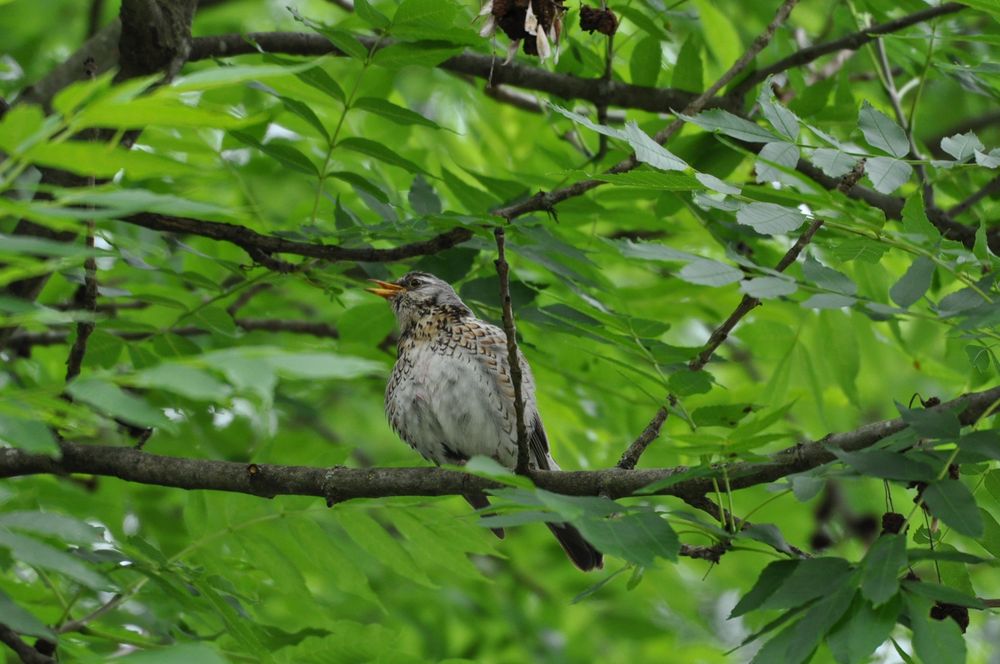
point(251, 241)
point(25, 653)
point(513, 358)
point(339, 484)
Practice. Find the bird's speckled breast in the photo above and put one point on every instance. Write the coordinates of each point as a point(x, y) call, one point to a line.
point(445, 397)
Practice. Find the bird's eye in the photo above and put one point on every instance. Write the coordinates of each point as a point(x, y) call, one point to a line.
point(412, 283)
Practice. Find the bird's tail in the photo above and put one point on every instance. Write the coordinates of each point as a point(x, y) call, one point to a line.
point(580, 551)
point(479, 501)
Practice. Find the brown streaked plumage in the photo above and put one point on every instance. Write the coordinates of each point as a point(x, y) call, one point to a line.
point(450, 396)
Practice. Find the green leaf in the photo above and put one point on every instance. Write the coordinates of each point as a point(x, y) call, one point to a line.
point(20, 620)
point(814, 625)
point(767, 288)
point(51, 524)
point(811, 578)
point(887, 174)
point(962, 146)
point(828, 278)
point(98, 159)
point(370, 15)
point(719, 121)
point(39, 554)
point(770, 218)
point(216, 77)
point(725, 43)
point(397, 114)
point(424, 19)
point(783, 120)
point(188, 653)
point(938, 641)
point(880, 570)
point(943, 593)
point(373, 538)
point(364, 184)
point(650, 152)
point(912, 285)
point(771, 578)
point(863, 629)
point(780, 153)
point(835, 163)
point(29, 435)
point(915, 220)
point(156, 110)
point(687, 74)
point(111, 400)
point(281, 152)
point(656, 180)
point(938, 423)
point(183, 380)
point(882, 133)
point(422, 197)
point(991, 533)
point(380, 152)
point(638, 537)
point(414, 54)
point(952, 502)
point(706, 272)
point(726, 415)
point(887, 465)
point(687, 383)
point(645, 63)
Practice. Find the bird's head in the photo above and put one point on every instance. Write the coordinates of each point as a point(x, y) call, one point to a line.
point(415, 295)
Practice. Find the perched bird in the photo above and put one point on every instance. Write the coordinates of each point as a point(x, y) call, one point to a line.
point(450, 396)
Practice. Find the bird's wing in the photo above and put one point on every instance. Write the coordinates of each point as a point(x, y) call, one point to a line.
point(490, 345)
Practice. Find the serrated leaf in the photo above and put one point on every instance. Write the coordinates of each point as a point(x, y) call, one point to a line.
point(939, 423)
point(783, 120)
point(770, 218)
point(887, 465)
point(707, 272)
point(767, 288)
point(887, 174)
point(882, 133)
point(780, 153)
point(952, 502)
point(720, 121)
point(650, 152)
point(638, 537)
point(835, 163)
point(962, 146)
point(863, 629)
point(767, 583)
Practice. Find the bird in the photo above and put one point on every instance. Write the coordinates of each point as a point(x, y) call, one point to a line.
point(451, 397)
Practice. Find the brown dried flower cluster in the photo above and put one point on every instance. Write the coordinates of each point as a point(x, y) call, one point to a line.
point(538, 23)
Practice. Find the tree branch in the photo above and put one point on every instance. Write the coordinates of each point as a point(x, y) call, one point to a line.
point(26, 653)
point(567, 86)
point(340, 483)
point(513, 359)
point(652, 431)
point(989, 189)
point(851, 42)
point(251, 241)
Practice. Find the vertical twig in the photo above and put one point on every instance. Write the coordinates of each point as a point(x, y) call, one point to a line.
point(513, 358)
point(602, 109)
point(87, 296)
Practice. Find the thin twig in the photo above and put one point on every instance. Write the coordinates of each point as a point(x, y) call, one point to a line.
point(722, 515)
point(652, 431)
point(850, 42)
point(989, 189)
point(26, 653)
point(513, 358)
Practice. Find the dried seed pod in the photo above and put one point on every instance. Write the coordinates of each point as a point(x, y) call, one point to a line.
point(601, 20)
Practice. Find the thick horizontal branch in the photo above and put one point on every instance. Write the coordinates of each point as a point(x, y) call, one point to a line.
point(337, 484)
point(567, 86)
point(851, 42)
point(252, 242)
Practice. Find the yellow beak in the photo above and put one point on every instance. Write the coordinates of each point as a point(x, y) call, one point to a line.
point(386, 289)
